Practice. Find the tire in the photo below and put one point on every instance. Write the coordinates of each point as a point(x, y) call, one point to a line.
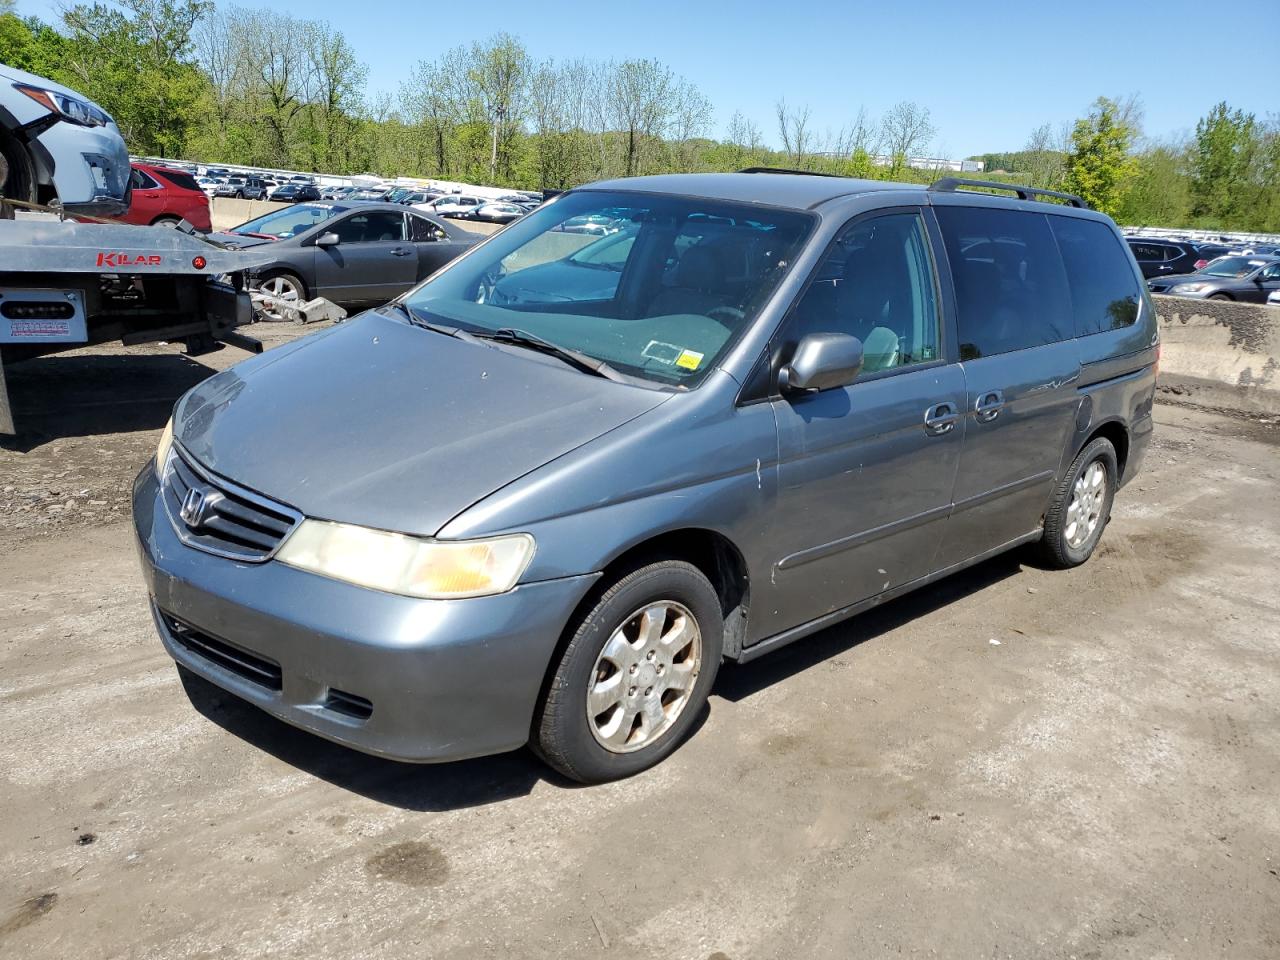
point(284, 284)
point(1064, 544)
point(18, 181)
point(1219, 296)
point(166, 221)
point(239, 195)
point(643, 728)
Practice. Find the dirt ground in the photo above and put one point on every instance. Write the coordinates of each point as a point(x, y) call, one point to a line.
point(1013, 763)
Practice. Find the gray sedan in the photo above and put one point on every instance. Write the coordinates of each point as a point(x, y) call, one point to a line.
point(356, 255)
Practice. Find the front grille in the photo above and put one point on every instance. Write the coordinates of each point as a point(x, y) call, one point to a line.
point(215, 515)
point(259, 670)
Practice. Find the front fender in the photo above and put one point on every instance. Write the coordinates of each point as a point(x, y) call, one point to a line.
point(693, 462)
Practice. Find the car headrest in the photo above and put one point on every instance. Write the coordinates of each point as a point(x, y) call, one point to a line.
point(701, 268)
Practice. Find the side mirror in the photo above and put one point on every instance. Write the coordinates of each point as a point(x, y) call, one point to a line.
point(329, 239)
point(822, 361)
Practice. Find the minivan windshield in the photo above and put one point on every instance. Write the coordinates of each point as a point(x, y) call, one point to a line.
point(656, 286)
point(1232, 267)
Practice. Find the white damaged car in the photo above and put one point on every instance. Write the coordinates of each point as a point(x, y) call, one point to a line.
point(55, 145)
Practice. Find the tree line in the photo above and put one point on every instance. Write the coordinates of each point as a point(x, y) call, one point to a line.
point(237, 85)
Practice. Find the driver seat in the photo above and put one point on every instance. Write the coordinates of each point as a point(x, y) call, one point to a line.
point(701, 285)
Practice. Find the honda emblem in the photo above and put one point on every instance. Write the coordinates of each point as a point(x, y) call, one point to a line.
point(193, 505)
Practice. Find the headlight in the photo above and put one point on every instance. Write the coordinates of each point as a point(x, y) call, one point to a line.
point(411, 566)
point(1190, 287)
point(163, 447)
point(69, 108)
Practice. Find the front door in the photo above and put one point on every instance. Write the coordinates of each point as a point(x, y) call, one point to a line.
point(432, 245)
point(371, 262)
point(1022, 368)
point(866, 472)
point(1266, 283)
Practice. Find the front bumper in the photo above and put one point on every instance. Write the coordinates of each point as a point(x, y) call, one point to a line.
point(89, 168)
point(444, 679)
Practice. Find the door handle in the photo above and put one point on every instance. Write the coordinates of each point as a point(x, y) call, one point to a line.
point(941, 418)
point(400, 252)
point(989, 406)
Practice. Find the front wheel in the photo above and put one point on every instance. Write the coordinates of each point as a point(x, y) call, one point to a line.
point(282, 286)
point(1081, 506)
point(635, 675)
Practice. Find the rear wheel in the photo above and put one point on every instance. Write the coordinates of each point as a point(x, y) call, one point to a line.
point(283, 286)
point(635, 675)
point(1081, 506)
point(1219, 296)
point(166, 221)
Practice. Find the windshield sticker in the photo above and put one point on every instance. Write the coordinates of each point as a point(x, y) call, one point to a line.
point(689, 359)
point(667, 353)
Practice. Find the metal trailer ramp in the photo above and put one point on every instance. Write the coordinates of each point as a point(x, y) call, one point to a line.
point(65, 284)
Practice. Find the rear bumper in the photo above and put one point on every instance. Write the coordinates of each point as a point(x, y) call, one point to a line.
point(443, 680)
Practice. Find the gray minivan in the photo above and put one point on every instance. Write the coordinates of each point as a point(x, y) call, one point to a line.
point(490, 514)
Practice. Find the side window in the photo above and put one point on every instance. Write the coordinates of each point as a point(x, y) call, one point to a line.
point(1145, 251)
point(371, 227)
point(422, 230)
point(1104, 291)
point(1272, 272)
point(608, 252)
point(140, 181)
point(877, 284)
point(1011, 292)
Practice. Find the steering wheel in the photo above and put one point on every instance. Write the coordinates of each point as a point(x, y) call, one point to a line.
point(732, 313)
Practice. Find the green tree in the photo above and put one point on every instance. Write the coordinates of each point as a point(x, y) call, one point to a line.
point(1159, 193)
point(1099, 165)
point(1225, 146)
point(136, 62)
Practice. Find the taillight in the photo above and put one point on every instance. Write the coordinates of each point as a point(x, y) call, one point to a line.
point(1201, 264)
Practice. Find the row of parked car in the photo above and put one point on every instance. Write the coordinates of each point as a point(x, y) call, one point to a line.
point(1249, 273)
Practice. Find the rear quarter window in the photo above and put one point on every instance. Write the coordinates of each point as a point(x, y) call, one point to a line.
point(1104, 289)
point(179, 179)
point(1011, 291)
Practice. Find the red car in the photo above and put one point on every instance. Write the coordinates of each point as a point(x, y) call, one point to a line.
point(165, 195)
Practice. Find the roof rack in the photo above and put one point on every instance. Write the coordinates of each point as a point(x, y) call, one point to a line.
point(801, 173)
point(952, 184)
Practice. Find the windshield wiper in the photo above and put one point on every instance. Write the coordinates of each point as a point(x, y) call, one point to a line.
point(574, 358)
point(418, 320)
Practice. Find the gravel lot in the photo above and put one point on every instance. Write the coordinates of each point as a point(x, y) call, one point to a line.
point(1013, 763)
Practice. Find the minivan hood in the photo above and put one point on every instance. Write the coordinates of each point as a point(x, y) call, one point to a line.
point(386, 425)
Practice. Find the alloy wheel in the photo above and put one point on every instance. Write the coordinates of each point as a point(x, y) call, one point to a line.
point(644, 676)
point(1088, 497)
point(282, 288)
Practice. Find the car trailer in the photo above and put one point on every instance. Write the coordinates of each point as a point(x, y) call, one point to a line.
point(66, 284)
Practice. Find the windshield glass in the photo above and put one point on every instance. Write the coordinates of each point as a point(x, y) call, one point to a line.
point(658, 287)
point(1231, 267)
point(289, 222)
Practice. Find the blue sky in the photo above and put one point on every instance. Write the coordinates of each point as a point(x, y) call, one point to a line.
point(989, 73)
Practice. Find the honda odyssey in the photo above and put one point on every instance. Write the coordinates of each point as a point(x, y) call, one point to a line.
point(492, 513)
